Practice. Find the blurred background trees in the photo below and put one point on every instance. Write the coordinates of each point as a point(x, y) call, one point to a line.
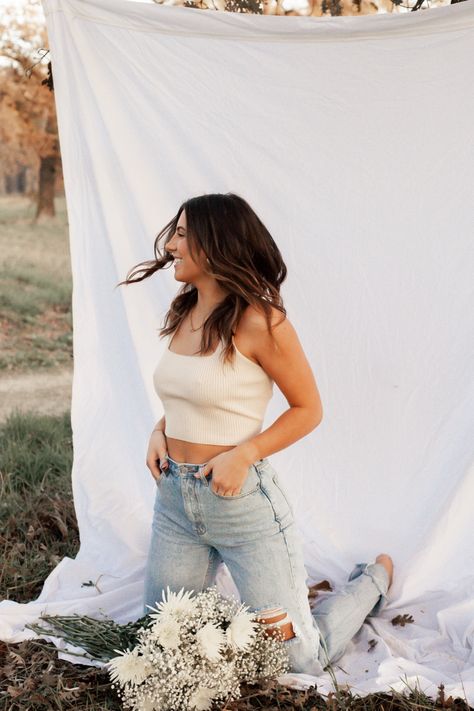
point(29, 147)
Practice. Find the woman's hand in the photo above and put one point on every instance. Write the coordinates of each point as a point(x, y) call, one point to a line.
point(157, 452)
point(229, 471)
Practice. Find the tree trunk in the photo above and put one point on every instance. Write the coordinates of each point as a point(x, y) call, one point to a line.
point(47, 181)
point(47, 175)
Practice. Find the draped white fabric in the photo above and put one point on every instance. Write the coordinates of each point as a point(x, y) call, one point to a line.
point(352, 139)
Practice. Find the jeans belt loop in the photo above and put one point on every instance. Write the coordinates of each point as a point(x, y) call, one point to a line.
point(201, 475)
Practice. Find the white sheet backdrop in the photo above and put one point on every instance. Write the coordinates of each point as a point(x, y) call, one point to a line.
point(352, 138)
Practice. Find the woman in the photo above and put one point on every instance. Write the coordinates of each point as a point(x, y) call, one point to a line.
point(218, 497)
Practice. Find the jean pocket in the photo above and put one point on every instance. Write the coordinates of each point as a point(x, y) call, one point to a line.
point(272, 489)
point(250, 486)
point(164, 474)
point(159, 482)
point(282, 492)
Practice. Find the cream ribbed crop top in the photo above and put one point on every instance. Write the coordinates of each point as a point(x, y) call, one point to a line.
point(208, 402)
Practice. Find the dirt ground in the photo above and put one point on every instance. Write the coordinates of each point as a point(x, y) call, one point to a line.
point(48, 393)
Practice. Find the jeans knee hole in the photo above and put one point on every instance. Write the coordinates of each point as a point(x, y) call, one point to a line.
point(277, 622)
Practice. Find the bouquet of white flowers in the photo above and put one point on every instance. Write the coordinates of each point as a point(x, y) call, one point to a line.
point(196, 650)
point(186, 653)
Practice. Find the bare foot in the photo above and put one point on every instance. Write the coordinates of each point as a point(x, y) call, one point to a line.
point(385, 560)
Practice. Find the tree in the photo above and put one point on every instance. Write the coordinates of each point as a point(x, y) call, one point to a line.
point(28, 127)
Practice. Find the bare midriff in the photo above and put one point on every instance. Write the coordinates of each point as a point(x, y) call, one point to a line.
point(193, 453)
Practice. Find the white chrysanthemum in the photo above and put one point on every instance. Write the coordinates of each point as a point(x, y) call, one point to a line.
point(149, 704)
point(201, 698)
point(129, 667)
point(167, 631)
point(174, 604)
point(210, 639)
point(241, 630)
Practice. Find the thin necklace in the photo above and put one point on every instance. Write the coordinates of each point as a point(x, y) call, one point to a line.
point(191, 320)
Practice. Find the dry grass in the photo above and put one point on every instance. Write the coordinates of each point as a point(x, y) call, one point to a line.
point(33, 679)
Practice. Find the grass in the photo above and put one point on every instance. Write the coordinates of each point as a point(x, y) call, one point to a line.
point(35, 288)
point(37, 518)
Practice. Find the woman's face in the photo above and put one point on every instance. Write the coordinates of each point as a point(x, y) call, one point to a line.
point(185, 268)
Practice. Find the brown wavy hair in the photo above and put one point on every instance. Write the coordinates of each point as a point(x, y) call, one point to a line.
point(243, 258)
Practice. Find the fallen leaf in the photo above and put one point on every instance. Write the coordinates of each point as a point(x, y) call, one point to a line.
point(402, 620)
point(323, 585)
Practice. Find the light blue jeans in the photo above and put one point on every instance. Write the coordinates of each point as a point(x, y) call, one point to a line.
point(254, 533)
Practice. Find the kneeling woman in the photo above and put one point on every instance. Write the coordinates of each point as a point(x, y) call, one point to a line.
point(218, 497)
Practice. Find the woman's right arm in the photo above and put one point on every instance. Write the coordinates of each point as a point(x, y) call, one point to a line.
point(157, 449)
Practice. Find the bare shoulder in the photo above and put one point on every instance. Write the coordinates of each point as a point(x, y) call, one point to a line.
point(254, 319)
point(282, 357)
point(254, 328)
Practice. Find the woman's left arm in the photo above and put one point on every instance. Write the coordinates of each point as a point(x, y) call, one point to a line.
point(285, 361)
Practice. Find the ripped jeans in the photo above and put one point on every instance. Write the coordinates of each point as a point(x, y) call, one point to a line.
point(254, 533)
